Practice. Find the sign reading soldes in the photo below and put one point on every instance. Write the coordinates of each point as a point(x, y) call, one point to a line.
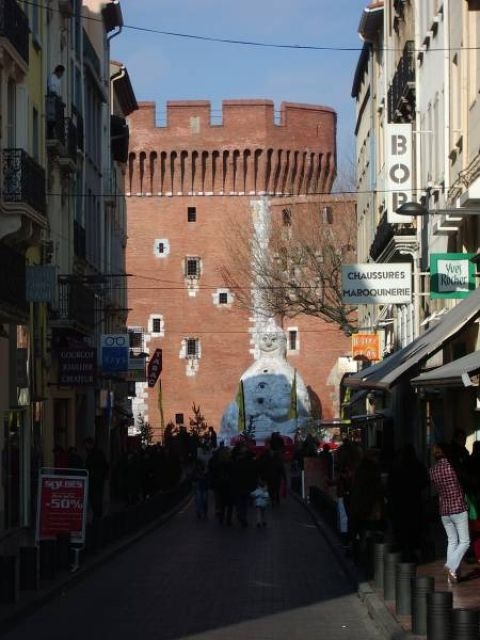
point(62, 504)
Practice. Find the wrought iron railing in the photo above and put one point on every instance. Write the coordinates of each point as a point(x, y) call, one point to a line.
point(401, 94)
point(14, 26)
point(23, 180)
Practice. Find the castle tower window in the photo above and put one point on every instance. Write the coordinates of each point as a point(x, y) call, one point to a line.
point(192, 214)
point(287, 217)
point(156, 325)
point(192, 267)
point(161, 247)
point(223, 298)
point(193, 347)
point(293, 340)
point(327, 215)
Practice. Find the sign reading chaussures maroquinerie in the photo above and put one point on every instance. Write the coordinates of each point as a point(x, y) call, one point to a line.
point(389, 283)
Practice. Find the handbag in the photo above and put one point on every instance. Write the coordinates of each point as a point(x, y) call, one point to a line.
point(472, 507)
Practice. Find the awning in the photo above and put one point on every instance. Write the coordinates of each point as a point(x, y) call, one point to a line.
point(450, 375)
point(388, 372)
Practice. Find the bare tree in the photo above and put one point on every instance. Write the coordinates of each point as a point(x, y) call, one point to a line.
point(295, 265)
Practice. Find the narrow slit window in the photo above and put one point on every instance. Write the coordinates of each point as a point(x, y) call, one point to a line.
point(156, 325)
point(192, 347)
point(192, 214)
point(223, 298)
point(292, 340)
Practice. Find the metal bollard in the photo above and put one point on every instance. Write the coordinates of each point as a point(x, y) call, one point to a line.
point(403, 587)
point(392, 558)
point(464, 624)
point(439, 608)
point(379, 551)
point(421, 586)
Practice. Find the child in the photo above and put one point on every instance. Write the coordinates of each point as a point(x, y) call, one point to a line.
point(261, 499)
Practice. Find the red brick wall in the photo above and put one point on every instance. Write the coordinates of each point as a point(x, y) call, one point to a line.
point(190, 156)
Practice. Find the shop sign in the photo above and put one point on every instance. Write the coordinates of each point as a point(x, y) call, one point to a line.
point(398, 158)
point(115, 349)
point(154, 368)
point(452, 275)
point(77, 366)
point(388, 283)
point(62, 504)
point(366, 345)
point(41, 283)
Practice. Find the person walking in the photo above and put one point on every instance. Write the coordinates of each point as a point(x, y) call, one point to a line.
point(452, 508)
point(261, 499)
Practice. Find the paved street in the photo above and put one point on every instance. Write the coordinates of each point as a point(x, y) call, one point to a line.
point(196, 580)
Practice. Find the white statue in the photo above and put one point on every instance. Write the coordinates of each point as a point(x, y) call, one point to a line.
point(275, 397)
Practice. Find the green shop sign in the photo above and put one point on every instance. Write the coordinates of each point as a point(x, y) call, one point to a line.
point(452, 275)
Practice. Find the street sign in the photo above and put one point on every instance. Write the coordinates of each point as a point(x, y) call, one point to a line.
point(154, 367)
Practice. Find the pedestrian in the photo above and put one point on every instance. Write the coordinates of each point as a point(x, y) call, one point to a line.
point(452, 508)
point(200, 488)
point(244, 480)
point(54, 82)
point(261, 499)
point(220, 475)
point(407, 480)
point(97, 466)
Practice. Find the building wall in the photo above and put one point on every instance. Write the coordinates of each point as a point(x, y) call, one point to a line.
point(225, 172)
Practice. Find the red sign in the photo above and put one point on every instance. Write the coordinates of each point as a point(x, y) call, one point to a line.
point(154, 368)
point(62, 505)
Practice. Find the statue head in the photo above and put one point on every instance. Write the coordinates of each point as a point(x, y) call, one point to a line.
point(271, 340)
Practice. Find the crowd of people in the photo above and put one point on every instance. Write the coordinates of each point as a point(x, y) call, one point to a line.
point(239, 477)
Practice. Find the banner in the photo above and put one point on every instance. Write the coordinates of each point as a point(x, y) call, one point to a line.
point(241, 407)
point(292, 410)
point(62, 503)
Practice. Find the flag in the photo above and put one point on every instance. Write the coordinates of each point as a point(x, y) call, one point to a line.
point(160, 409)
point(292, 411)
point(240, 400)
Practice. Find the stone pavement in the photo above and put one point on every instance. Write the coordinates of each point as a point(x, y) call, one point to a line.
point(196, 580)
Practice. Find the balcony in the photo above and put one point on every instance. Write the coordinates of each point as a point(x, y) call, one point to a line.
point(388, 235)
point(55, 109)
point(14, 28)
point(23, 185)
point(401, 93)
point(75, 305)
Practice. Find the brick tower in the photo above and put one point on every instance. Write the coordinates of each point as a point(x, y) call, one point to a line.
point(185, 182)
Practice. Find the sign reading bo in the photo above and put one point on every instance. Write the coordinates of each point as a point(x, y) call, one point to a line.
point(154, 367)
point(115, 350)
point(398, 169)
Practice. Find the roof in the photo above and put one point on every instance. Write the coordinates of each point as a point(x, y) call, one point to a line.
point(389, 371)
point(450, 375)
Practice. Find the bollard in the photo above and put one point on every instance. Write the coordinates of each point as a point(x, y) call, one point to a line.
point(421, 585)
point(391, 560)
point(464, 624)
point(48, 559)
point(403, 587)
point(29, 568)
point(63, 550)
point(439, 608)
point(379, 551)
point(9, 579)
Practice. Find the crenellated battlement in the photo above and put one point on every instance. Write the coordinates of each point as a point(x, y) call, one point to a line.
point(247, 152)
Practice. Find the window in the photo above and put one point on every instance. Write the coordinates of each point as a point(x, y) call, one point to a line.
point(161, 247)
point(192, 347)
point(192, 267)
point(179, 418)
point(223, 298)
point(287, 217)
point(327, 215)
point(135, 338)
point(156, 325)
point(192, 214)
point(292, 340)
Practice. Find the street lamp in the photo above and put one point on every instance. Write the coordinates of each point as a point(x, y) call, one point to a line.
point(417, 210)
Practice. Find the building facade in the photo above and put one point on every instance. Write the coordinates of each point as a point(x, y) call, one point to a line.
point(422, 58)
point(62, 237)
point(192, 187)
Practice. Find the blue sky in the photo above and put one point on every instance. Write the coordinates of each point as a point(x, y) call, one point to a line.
point(165, 67)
